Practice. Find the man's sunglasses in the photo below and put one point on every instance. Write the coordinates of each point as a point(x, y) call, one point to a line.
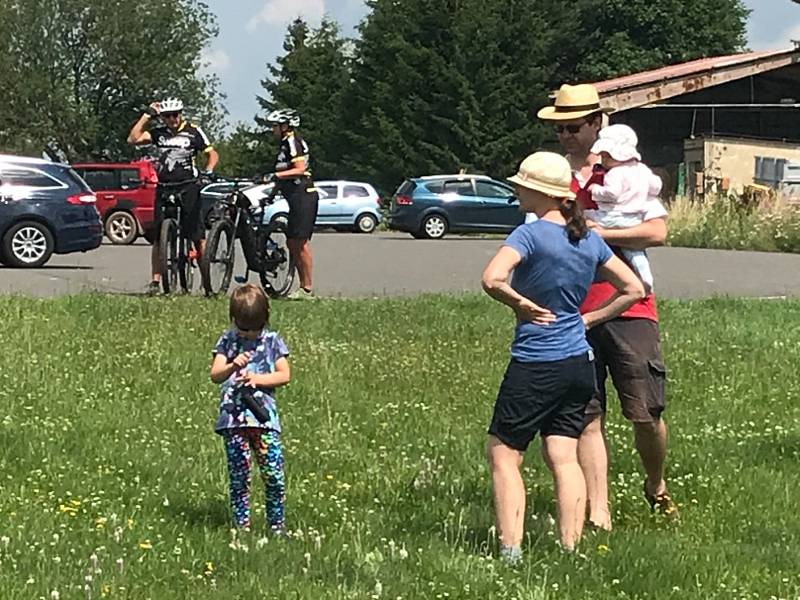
point(171, 115)
point(573, 129)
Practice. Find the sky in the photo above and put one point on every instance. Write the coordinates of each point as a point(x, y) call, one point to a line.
point(251, 35)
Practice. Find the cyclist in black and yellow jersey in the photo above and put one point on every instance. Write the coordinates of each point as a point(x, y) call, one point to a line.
point(178, 143)
point(293, 179)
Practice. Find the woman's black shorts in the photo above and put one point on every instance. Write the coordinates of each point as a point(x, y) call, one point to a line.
point(303, 206)
point(546, 397)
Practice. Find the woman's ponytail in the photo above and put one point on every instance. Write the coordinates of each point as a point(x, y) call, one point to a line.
point(576, 222)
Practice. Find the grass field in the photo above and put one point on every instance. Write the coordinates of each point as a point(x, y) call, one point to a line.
point(114, 484)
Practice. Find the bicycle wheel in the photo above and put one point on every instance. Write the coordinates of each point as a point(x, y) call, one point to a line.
point(186, 265)
point(168, 255)
point(216, 264)
point(278, 277)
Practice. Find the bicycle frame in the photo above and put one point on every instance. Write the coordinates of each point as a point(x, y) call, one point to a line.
point(236, 212)
point(175, 199)
point(173, 249)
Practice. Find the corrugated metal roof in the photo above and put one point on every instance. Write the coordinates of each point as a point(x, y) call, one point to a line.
point(686, 69)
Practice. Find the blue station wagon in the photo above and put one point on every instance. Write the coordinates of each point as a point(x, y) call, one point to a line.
point(45, 207)
point(430, 207)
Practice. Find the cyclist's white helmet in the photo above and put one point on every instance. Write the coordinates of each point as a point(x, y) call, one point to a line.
point(171, 105)
point(284, 116)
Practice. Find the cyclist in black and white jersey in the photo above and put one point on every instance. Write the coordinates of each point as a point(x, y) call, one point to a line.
point(178, 143)
point(293, 179)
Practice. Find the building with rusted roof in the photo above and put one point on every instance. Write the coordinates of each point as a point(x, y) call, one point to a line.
point(714, 124)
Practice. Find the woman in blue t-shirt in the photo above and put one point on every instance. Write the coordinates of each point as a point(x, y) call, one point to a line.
point(550, 378)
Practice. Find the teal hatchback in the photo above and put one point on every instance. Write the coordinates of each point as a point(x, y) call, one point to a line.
point(431, 207)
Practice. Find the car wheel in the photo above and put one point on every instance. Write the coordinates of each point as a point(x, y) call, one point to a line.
point(28, 244)
point(434, 227)
point(122, 228)
point(366, 223)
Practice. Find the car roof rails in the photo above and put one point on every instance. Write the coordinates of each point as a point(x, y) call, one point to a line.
point(27, 160)
point(455, 176)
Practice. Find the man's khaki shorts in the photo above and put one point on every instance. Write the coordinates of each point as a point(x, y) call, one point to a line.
point(630, 350)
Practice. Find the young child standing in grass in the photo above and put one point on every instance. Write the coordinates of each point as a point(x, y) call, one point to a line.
point(249, 363)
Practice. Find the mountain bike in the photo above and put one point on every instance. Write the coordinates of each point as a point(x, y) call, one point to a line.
point(178, 258)
point(263, 244)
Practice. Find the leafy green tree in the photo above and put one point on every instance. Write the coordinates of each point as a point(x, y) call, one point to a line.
point(311, 77)
point(411, 109)
point(246, 152)
point(82, 70)
point(616, 37)
point(505, 49)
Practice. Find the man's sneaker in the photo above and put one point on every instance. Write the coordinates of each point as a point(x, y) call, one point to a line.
point(153, 288)
point(301, 294)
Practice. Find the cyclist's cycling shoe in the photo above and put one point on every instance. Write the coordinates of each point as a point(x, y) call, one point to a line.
point(301, 294)
point(241, 278)
point(153, 288)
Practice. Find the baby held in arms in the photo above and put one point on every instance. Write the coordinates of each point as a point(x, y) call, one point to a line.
point(629, 191)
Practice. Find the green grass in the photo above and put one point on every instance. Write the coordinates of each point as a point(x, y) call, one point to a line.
point(108, 452)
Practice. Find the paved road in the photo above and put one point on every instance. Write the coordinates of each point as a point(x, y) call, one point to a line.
point(387, 264)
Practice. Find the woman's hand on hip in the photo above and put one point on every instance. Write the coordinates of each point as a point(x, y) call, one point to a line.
point(533, 313)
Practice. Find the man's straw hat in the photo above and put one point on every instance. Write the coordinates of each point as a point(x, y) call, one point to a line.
point(546, 172)
point(573, 102)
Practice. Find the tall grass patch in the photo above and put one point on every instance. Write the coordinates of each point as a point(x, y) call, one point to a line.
point(732, 223)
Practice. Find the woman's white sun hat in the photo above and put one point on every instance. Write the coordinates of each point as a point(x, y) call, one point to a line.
point(619, 141)
point(546, 172)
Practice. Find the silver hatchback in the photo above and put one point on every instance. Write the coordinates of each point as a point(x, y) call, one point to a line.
point(343, 205)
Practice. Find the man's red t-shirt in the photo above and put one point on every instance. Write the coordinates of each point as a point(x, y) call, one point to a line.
point(600, 292)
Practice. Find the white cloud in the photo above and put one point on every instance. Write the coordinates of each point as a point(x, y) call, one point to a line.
point(215, 60)
point(280, 12)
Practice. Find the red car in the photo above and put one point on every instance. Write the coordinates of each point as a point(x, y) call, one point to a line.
point(126, 194)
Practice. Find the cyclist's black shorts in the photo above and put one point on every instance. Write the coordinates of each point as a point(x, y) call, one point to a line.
point(303, 206)
point(192, 223)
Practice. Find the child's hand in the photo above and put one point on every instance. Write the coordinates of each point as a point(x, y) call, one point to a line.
point(240, 362)
point(248, 379)
point(591, 224)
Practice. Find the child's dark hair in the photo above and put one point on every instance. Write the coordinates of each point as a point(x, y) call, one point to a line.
point(249, 307)
point(576, 222)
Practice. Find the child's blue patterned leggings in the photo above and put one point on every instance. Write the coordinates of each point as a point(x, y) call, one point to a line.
point(266, 445)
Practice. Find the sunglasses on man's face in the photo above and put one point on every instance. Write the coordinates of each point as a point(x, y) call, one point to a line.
point(171, 115)
point(572, 129)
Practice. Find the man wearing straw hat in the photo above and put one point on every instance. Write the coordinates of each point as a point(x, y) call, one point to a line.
point(627, 347)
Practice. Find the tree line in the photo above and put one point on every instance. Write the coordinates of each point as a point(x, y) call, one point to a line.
point(427, 86)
